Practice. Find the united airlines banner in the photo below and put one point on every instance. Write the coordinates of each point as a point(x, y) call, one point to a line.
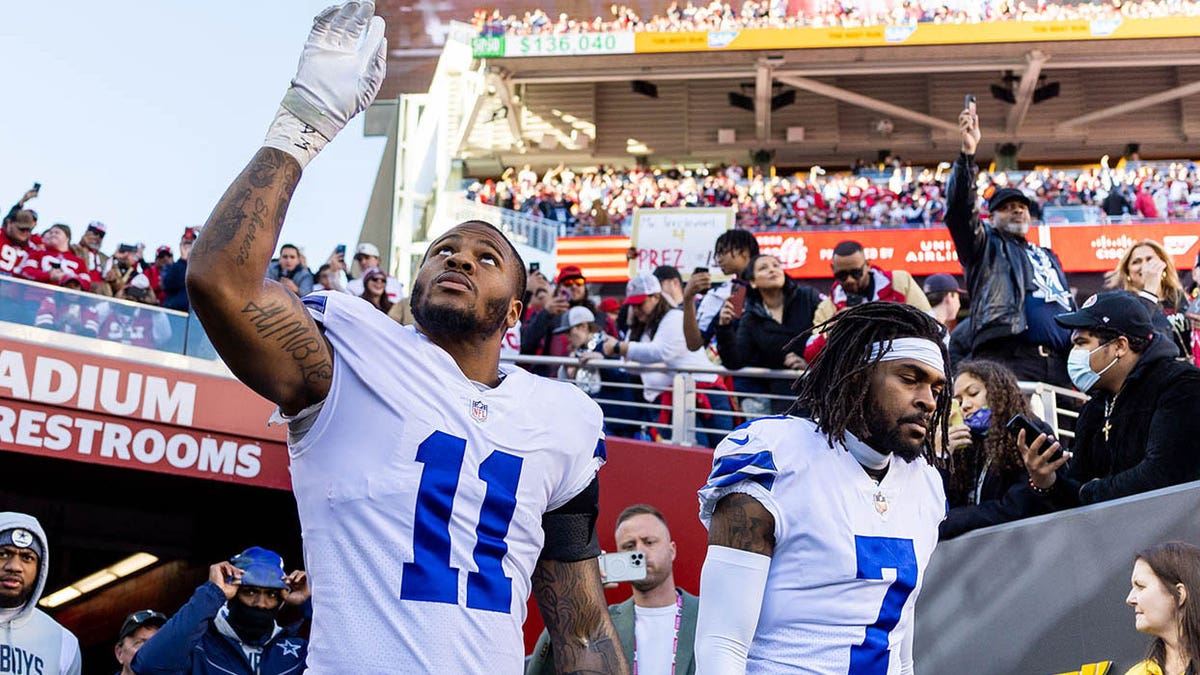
point(101, 410)
point(1046, 595)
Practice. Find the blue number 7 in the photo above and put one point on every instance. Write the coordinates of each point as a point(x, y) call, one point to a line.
point(874, 554)
point(429, 577)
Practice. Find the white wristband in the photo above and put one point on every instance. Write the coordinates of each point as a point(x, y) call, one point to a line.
point(289, 134)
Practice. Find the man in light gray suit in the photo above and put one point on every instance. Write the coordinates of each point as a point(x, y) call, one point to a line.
point(657, 626)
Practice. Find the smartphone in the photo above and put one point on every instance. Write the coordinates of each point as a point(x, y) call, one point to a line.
point(700, 270)
point(737, 297)
point(535, 266)
point(956, 416)
point(1019, 422)
point(623, 566)
point(968, 101)
point(37, 187)
point(565, 294)
point(340, 250)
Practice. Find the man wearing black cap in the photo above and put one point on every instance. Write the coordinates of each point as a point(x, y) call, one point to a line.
point(30, 641)
point(1141, 429)
point(138, 627)
point(1016, 287)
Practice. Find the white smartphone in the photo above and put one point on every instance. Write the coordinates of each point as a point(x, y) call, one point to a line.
point(623, 566)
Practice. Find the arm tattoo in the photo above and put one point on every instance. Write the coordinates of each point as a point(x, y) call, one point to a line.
point(741, 522)
point(571, 600)
point(278, 323)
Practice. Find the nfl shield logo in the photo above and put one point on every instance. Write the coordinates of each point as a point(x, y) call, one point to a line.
point(479, 411)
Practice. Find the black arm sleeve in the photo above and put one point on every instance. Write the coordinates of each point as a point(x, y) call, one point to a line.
point(571, 528)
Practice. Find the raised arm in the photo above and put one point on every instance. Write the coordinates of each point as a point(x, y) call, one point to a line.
point(261, 330)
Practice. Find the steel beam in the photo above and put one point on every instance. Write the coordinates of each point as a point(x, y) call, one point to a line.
point(1130, 106)
point(762, 100)
point(1024, 94)
point(828, 90)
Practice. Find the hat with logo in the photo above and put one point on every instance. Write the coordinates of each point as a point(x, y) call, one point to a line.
point(21, 538)
point(163, 250)
point(260, 567)
point(943, 283)
point(569, 272)
point(575, 316)
point(366, 249)
point(126, 248)
point(641, 287)
point(98, 226)
point(146, 617)
point(1002, 195)
point(1120, 311)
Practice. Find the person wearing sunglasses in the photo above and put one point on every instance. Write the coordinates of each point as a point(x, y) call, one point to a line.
point(856, 282)
point(88, 248)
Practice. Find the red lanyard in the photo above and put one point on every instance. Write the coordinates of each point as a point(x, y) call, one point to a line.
point(674, 639)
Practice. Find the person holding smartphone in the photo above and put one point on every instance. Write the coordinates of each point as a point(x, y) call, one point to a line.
point(657, 624)
point(773, 309)
point(988, 484)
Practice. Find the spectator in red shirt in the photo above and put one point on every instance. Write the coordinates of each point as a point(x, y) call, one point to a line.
point(55, 263)
point(163, 257)
point(67, 312)
point(14, 241)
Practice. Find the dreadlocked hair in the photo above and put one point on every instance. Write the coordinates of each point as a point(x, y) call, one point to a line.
point(835, 388)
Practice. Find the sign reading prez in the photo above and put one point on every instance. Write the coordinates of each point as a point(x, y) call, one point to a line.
point(680, 237)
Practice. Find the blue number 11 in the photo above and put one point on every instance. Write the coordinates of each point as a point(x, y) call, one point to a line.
point(429, 577)
point(874, 555)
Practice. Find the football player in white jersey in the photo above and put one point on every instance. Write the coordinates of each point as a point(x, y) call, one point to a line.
point(820, 527)
point(436, 487)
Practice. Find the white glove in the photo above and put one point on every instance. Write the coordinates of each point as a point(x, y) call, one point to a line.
point(337, 78)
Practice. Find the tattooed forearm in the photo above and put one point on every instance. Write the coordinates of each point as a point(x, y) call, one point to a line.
point(571, 599)
point(740, 521)
point(278, 323)
point(247, 220)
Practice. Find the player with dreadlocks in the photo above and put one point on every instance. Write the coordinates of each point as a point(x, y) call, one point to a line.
point(818, 537)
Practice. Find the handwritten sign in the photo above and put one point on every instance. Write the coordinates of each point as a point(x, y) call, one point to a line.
point(682, 238)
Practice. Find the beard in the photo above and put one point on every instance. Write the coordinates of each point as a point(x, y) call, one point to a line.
point(445, 321)
point(886, 438)
point(1014, 228)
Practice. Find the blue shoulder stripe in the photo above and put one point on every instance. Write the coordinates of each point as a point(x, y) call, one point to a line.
point(314, 301)
point(758, 467)
point(601, 451)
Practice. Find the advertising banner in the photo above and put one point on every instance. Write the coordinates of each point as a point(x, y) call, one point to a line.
point(916, 34)
point(682, 238)
point(573, 44)
point(920, 251)
point(115, 412)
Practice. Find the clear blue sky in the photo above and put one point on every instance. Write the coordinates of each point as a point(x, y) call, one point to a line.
point(139, 114)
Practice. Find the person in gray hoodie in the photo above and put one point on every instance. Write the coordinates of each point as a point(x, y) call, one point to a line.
point(31, 643)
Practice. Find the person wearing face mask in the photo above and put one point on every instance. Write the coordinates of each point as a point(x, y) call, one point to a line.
point(230, 624)
point(1016, 287)
point(987, 485)
point(1141, 429)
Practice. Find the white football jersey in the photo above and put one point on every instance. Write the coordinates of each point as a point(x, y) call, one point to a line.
point(849, 554)
point(421, 497)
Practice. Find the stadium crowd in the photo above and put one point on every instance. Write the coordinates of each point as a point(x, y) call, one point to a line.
point(602, 200)
point(724, 16)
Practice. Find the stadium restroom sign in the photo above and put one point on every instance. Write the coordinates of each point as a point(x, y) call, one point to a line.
point(100, 410)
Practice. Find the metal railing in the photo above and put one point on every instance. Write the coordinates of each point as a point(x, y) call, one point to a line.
point(1054, 404)
point(522, 228)
point(28, 303)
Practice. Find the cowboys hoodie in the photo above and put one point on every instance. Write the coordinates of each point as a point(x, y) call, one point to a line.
point(31, 643)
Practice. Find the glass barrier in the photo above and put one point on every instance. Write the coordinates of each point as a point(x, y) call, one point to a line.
point(28, 303)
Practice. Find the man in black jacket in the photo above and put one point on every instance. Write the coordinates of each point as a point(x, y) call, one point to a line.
point(1141, 429)
point(1016, 287)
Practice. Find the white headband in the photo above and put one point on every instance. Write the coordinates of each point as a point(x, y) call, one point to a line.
point(920, 349)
